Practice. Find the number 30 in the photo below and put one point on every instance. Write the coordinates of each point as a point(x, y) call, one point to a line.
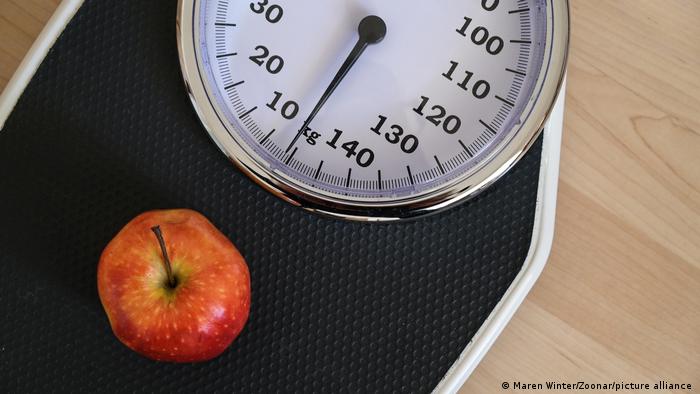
point(274, 12)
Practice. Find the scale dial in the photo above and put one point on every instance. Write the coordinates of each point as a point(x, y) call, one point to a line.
point(374, 110)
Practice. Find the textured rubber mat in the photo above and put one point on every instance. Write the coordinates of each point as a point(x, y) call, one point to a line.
point(105, 131)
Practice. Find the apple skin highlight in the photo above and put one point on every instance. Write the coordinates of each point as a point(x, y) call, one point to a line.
point(199, 317)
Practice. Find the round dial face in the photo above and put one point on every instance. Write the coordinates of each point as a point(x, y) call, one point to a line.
point(368, 103)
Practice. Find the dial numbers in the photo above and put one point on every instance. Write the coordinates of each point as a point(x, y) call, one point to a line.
point(419, 110)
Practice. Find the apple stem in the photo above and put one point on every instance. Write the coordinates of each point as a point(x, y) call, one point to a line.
point(166, 259)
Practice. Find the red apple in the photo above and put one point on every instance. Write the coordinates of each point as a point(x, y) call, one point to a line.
point(174, 287)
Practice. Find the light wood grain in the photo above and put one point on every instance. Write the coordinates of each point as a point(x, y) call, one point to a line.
point(620, 296)
point(20, 22)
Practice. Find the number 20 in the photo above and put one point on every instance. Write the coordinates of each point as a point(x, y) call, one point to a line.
point(274, 63)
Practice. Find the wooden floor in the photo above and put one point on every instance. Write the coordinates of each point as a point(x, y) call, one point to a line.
point(620, 297)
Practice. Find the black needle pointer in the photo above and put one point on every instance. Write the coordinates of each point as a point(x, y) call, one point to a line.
point(372, 30)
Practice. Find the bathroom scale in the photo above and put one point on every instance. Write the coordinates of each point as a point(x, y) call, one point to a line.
point(388, 169)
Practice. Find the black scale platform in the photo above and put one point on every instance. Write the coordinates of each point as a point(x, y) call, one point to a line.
point(105, 131)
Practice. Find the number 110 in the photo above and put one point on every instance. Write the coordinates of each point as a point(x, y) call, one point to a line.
point(480, 89)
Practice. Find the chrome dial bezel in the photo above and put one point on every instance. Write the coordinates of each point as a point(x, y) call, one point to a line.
point(525, 133)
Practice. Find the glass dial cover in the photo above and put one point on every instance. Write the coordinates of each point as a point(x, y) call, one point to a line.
point(436, 109)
